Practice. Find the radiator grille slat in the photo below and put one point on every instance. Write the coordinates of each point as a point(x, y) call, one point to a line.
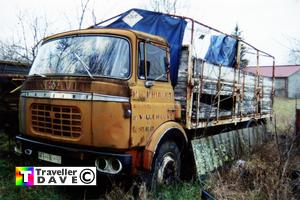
point(64, 121)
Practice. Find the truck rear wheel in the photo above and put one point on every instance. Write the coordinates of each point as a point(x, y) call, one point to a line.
point(167, 163)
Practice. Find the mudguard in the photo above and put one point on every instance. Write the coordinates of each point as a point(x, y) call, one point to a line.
point(169, 130)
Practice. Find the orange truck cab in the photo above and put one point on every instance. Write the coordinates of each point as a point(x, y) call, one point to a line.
point(101, 96)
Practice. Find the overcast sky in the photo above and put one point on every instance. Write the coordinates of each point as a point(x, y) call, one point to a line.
point(266, 24)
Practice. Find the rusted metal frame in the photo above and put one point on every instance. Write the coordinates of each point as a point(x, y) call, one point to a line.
point(243, 91)
point(273, 85)
point(238, 94)
point(233, 116)
point(199, 23)
point(218, 93)
point(189, 101)
point(257, 90)
point(233, 111)
point(97, 24)
point(198, 106)
point(266, 54)
point(193, 24)
point(192, 35)
point(261, 96)
point(201, 78)
point(238, 66)
point(234, 37)
point(189, 98)
point(189, 93)
point(198, 100)
point(214, 81)
point(201, 83)
point(230, 121)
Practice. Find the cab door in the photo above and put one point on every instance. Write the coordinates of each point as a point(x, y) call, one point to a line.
point(152, 97)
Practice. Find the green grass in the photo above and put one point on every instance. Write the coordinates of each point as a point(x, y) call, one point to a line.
point(181, 191)
point(284, 113)
point(8, 189)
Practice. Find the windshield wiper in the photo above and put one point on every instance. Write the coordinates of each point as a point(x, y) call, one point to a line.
point(84, 65)
point(41, 75)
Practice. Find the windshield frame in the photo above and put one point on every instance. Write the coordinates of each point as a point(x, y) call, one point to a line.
point(94, 76)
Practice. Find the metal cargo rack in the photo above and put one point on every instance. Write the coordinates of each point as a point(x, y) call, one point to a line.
point(214, 94)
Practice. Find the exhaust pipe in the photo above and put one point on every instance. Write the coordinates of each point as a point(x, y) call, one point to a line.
point(28, 152)
point(108, 165)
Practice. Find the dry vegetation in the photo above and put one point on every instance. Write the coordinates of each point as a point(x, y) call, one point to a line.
point(267, 174)
point(272, 172)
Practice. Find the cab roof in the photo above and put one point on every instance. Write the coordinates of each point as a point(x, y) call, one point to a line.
point(113, 31)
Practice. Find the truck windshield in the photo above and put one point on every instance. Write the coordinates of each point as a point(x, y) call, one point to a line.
point(104, 56)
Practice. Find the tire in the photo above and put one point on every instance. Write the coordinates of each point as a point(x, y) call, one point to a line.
point(167, 165)
point(251, 123)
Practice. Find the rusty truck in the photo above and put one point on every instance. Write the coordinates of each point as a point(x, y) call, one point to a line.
point(132, 94)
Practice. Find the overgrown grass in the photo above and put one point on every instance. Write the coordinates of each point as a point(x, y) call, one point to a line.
point(284, 113)
point(179, 191)
point(266, 175)
point(182, 191)
point(261, 177)
point(8, 188)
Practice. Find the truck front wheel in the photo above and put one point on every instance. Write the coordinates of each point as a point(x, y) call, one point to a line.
point(167, 163)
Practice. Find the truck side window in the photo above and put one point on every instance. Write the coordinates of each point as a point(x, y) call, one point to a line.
point(141, 54)
point(156, 57)
point(154, 65)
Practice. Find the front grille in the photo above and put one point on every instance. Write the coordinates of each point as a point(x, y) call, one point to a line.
point(55, 120)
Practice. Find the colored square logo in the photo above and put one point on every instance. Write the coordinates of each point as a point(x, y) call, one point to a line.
point(24, 176)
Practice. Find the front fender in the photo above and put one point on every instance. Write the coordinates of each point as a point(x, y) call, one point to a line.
point(168, 130)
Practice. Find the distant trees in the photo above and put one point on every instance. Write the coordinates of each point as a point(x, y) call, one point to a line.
point(237, 32)
point(23, 44)
point(164, 6)
point(294, 51)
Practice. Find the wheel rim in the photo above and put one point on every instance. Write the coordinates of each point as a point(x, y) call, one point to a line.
point(167, 170)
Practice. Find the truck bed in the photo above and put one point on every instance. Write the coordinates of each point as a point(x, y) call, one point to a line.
point(212, 95)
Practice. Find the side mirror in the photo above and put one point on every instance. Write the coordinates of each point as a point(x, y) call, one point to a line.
point(149, 84)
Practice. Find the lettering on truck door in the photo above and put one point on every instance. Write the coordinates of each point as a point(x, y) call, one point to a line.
point(152, 96)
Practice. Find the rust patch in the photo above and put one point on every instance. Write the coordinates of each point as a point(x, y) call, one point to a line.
point(137, 160)
point(147, 159)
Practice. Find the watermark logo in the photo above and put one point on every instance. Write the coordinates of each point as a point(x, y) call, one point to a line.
point(29, 176)
point(24, 176)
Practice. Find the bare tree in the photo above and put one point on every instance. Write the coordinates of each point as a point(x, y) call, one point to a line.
point(24, 43)
point(29, 33)
point(165, 6)
point(294, 51)
point(83, 6)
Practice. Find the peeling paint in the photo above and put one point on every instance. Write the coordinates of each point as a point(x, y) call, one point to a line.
point(214, 151)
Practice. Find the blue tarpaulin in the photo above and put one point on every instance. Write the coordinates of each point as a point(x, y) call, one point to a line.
point(222, 50)
point(168, 27)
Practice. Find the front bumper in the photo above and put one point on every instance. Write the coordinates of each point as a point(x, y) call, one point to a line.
point(70, 155)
